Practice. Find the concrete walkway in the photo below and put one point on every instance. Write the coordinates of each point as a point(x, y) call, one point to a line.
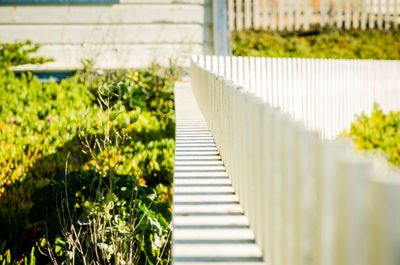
point(209, 225)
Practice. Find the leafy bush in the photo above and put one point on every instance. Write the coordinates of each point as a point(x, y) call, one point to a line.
point(19, 53)
point(380, 132)
point(319, 43)
point(77, 158)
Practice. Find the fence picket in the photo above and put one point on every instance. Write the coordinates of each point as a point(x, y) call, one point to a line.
point(387, 14)
point(256, 14)
point(355, 14)
point(273, 14)
point(384, 214)
point(395, 14)
point(276, 184)
point(239, 15)
point(363, 14)
point(380, 15)
point(306, 14)
point(350, 244)
point(297, 15)
point(322, 12)
point(231, 14)
point(371, 14)
point(281, 10)
point(347, 21)
point(339, 14)
point(247, 14)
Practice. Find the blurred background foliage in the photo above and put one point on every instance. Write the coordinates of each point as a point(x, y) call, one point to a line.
point(319, 43)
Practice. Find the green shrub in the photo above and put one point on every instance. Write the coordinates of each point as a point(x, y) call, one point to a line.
point(380, 132)
point(319, 43)
point(20, 53)
point(73, 152)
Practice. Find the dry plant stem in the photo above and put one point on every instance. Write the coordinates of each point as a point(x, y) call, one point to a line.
point(99, 229)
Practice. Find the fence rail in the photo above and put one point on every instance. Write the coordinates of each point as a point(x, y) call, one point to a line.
point(309, 201)
point(296, 14)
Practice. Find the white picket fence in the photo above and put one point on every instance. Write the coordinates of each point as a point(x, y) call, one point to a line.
point(324, 94)
point(296, 14)
point(310, 202)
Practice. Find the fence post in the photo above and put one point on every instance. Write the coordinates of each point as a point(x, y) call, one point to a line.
point(328, 155)
point(266, 158)
point(221, 32)
point(353, 174)
point(304, 193)
point(384, 216)
point(277, 187)
point(288, 192)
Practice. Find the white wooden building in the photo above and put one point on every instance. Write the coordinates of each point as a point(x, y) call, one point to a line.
point(115, 33)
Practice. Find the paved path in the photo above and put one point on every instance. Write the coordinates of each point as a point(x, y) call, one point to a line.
point(209, 225)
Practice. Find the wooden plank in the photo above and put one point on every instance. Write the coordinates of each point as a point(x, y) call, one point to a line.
point(273, 14)
point(297, 15)
point(347, 20)
point(168, 2)
point(339, 14)
point(225, 234)
point(363, 14)
point(387, 14)
point(231, 14)
point(371, 14)
point(264, 15)
point(221, 33)
point(247, 14)
point(384, 215)
point(117, 56)
point(395, 15)
point(355, 14)
point(239, 15)
point(351, 211)
point(106, 34)
point(331, 14)
point(105, 14)
point(306, 14)
point(290, 13)
point(59, 1)
point(380, 15)
point(281, 12)
point(256, 14)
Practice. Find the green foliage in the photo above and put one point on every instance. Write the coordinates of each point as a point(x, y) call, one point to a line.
point(319, 43)
point(380, 132)
point(7, 259)
point(19, 53)
point(150, 90)
point(47, 129)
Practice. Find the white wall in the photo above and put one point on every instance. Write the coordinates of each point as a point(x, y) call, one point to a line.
point(132, 33)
